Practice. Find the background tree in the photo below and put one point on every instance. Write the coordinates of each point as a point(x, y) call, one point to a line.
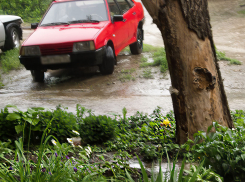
point(29, 10)
point(197, 89)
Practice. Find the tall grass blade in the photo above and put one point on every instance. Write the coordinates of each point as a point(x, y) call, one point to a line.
point(129, 177)
point(182, 170)
point(145, 177)
point(193, 179)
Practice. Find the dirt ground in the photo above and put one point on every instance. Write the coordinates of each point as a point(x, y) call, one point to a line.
point(107, 94)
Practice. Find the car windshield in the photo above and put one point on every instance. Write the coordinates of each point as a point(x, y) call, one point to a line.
point(84, 11)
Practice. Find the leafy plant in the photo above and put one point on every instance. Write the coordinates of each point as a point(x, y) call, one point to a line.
point(222, 56)
point(97, 129)
point(223, 149)
point(203, 174)
point(18, 123)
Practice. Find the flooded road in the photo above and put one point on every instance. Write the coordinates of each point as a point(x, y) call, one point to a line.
point(109, 94)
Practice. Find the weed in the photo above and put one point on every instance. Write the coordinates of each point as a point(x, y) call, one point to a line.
point(241, 12)
point(147, 73)
point(127, 71)
point(126, 77)
point(145, 64)
point(150, 48)
point(234, 61)
point(1, 84)
point(10, 60)
point(143, 59)
point(222, 56)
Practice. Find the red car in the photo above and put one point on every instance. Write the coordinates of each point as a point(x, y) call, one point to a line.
point(77, 33)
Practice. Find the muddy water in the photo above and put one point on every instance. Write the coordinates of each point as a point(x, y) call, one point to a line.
point(107, 94)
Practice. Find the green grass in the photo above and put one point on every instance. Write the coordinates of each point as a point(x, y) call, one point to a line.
point(159, 57)
point(241, 12)
point(222, 56)
point(10, 61)
point(127, 71)
point(143, 59)
point(147, 73)
point(150, 48)
point(126, 75)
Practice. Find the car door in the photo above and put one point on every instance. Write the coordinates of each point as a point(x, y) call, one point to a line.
point(130, 20)
point(2, 34)
point(119, 27)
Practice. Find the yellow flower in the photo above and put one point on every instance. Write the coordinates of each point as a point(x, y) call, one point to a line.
point(199, 157)
point(166, 122)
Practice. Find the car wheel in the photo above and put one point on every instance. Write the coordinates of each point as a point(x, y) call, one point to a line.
point(107, 66)
point(12, 38)
point(137, 47)
point(37, 75)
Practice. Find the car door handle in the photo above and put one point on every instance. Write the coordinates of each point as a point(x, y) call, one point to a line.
point(124, 20)
point(134, 13)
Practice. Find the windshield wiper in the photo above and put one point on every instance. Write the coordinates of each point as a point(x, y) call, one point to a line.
point(84, 21)
point(56, 23)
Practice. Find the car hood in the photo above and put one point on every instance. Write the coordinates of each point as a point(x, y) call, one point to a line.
point(64, 33)
point(8, 18)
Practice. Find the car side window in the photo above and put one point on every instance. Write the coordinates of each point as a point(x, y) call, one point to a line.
point(124, 5)
point(114, 10)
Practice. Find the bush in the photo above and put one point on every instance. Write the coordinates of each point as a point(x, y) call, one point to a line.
point(224, 151)
point(29, 10)
point(34, 121)
point(97, 129)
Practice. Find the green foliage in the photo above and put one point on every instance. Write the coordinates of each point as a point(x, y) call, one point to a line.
point(147, 73)
point(150, 48)
point(5, 148)
point(10, 60)
point(145, 134)
point(159, 57)
point(241, 12)
point(19, 123)
point(29, 10)
point(222, 56)
point(127, 71)
point(97, 129)
point(143, 59)
point(203, 174)
point(223, 149)
point(126, 75)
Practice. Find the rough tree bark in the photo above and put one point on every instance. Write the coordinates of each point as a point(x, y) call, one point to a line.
point(197, 89)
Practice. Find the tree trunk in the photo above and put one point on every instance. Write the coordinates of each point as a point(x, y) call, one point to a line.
point(197, 89)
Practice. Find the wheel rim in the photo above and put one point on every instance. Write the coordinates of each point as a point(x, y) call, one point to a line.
point(16, 39)
point(140, 39)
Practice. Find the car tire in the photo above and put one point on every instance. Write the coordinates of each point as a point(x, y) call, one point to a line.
point(137, 47)
point(12, 37)
point(107, 66)
point(37, 75)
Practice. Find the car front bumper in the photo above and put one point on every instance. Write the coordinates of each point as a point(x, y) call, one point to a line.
point(80, 59)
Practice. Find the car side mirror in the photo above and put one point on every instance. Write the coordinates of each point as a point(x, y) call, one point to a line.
point(117, 18)
point(34, 25)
